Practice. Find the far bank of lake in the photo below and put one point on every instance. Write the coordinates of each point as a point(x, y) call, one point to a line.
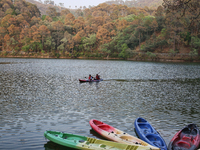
point(139, 56)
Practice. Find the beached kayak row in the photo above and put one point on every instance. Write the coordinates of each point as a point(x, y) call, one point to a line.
point(187, 138)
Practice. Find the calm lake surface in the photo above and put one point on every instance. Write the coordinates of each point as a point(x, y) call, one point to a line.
point(44, 94)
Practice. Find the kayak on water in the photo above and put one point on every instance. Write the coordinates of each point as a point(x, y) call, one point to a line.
point(186, 139)
point(87, 143)
point(116, 135)
point(147, 133)
point(86, 80)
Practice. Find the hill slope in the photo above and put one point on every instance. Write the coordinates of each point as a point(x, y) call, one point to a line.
point(130, 3)
point(43, 7)
point(138, 3)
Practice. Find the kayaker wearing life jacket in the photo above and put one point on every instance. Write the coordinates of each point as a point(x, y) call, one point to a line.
point(90, 77)
point(97, 77)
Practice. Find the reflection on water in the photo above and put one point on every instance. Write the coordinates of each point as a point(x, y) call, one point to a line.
point(45, 94)
point(52, 146)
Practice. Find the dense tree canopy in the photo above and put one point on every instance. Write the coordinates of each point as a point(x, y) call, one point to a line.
point(105, 30)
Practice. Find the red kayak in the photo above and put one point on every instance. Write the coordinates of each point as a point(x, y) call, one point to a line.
point(117, 135)
point(186, 139)
point(86, 80)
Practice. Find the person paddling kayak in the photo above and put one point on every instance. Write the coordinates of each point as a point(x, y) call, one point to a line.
point(97, 77)
point(90, 77)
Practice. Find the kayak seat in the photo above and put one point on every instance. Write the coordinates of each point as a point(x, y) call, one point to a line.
point(128, 138)
point(183, 144)
point(156, 140)
point(146, 128)
point(187, 138)
point(102, 146)
point(106, 128)
point(192, 137)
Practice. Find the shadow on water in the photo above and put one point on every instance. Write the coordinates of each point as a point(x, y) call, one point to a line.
point(12, 63)
point(52, 146)
point(96, 135)
point(90, 83)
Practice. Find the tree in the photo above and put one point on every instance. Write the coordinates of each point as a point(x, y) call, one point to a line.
point(67, 42)
point(48, 19)
point(44, 32)
point(189, 8)
point(193, 53)
point(99, 21)
point(2, 34)
point(76, 39)
point(69, 19)
point(64, 12)
point(121, 24)
point(103, 36)
point(89, 42)
point(159, 14)
point(195, 43)
point(154, 25)
point(51, 12)
point(5, 21)
point(49, 43)
point(140, 30)
point(78, 13)
point(174, 27)
point(7, 42)
point(86, 12)
point(21, 22)
point(88, 30)
point(34, 21)
point(5, 7)
point(79, 24)
point(123, 53)
point(58, 32)
point(25, 39)
point(35, 38)
point(105, 48)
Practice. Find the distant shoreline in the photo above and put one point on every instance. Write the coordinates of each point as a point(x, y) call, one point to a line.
point(159, 59)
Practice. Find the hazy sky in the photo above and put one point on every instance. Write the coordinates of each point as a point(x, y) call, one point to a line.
point(79, 3)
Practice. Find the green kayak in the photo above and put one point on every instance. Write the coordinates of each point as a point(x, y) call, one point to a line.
point(87, 143)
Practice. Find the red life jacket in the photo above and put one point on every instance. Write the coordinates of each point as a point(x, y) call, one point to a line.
point(97, 77)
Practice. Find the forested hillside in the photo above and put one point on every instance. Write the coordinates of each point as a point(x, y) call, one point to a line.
point(112, 31)
point(44, 7)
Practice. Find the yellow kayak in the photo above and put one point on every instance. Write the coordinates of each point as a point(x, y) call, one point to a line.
point(87, 143)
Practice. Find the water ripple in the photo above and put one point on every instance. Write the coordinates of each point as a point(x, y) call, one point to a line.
point(44, 94)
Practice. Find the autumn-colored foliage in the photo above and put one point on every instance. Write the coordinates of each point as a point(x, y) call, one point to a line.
point(109, 29)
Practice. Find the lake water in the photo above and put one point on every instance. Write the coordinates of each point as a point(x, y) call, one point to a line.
point(44, 94)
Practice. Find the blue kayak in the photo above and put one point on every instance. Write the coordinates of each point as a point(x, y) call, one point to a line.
point(147, 133)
